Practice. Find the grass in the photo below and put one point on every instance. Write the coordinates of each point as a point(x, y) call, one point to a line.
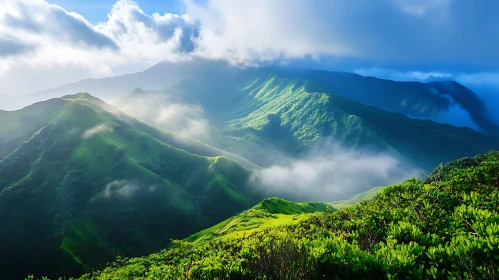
point(271, 212)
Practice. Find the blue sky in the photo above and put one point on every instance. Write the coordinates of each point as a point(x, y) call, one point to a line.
point(396, 39)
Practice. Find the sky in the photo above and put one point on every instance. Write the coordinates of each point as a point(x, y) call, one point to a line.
point(95, 11)
point(47, 44)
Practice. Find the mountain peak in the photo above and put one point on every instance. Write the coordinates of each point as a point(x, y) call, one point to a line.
point(79, 95)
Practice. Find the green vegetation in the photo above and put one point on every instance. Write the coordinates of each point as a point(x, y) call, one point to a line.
point(82, 183)
point(269, 213)
point(356, 199)
point(442, 227)
point(262, 116)
point(88, 185)
point(292, 117)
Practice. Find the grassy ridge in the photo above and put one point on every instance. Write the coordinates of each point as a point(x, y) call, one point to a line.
point(269, 213)
point(443, 227)
point(88, 186)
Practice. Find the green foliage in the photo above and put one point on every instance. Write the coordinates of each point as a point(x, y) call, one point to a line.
point(282, 206)
point(70, 203)
point(443, 227)
point(269, 213)
point(356, 199)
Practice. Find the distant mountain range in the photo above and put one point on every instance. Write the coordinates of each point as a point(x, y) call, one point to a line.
point(441, 101)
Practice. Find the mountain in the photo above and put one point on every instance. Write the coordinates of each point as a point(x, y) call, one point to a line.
point(442, 227)
point(268, 118)
point(268, 115)
point(81, 183)
point(442, 101)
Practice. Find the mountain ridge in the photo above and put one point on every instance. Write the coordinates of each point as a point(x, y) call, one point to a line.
point(110, 190)
point(282, 115)
point(165, 74)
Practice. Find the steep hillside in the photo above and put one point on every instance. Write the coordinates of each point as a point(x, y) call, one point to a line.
point(443, 227)
point(267, 118)
point(88, 185)
point(29, 119)
point(431, 100)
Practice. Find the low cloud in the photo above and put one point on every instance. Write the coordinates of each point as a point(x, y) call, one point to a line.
point(392, 74)
point(95, 130)
point(333, 175)
point(123, 189)
point(457, 116)
point(186, 120)
point(486, 85)
point(169, 113)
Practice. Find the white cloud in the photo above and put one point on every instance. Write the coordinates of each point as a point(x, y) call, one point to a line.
point(63, 46)
point(395, 75)
point(185, 119)
point(101, 128)
point(331, 175)
point(259, 31)
point(123, 189)
point(159, 110)
point(38, 38)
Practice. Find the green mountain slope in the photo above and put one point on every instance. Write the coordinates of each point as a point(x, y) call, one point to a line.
point(422, 100)
point(29, 119)
point(442, 227)
point(269, 213)
point(89, 185)
point(264, 118)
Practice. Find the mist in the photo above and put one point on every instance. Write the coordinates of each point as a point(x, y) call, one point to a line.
point(166, 112)
point(125, 189)
point(332, 174)
point(96, 130)
point(488, 91)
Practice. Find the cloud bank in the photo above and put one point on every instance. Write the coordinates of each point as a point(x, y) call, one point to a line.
point(167, 112)
point(58, 46)
point(333, 175)
point(69, 48)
